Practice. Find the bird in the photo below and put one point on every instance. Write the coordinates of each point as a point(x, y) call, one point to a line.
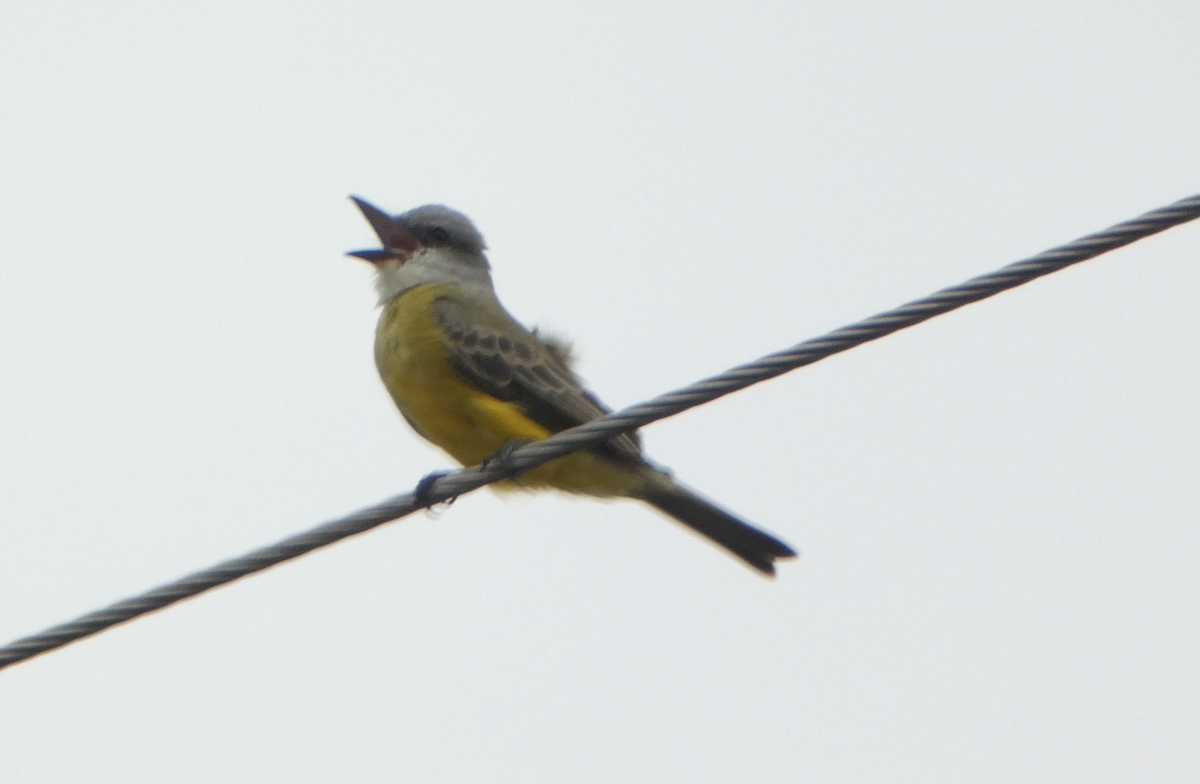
point(472, 380)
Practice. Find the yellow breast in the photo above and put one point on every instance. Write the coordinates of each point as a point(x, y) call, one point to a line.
point(413, 355)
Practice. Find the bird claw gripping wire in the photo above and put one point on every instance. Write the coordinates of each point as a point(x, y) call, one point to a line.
point(502, 459)
point(425, 486)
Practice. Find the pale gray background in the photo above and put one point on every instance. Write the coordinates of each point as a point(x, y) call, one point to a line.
point(998, 511)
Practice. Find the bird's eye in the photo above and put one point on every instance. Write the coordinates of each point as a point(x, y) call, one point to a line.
point(438, 236)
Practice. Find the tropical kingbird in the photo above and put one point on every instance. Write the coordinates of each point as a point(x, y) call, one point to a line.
point(471, 379)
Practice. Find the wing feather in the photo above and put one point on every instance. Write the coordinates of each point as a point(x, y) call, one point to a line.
point(514, 365)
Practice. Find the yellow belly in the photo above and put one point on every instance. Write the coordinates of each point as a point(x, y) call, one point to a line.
point(413, 356)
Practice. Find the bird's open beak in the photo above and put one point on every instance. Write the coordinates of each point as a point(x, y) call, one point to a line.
point(398, 242)
point(375, 256)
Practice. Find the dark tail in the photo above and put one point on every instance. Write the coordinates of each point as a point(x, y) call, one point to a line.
point(755, 547)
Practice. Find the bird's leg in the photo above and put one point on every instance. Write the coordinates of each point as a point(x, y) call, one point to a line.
point(421, 491)
point(500, 461)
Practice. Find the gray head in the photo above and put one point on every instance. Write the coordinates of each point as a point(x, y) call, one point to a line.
point(430, 226)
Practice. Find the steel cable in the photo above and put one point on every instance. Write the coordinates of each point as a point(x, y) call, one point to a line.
point(534, 454)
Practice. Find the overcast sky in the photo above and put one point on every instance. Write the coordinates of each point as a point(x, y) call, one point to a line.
point(998, 512)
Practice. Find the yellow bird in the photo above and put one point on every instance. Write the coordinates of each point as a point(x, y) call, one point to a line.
point(469, 378)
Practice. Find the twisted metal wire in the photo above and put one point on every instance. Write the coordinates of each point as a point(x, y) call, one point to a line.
point(532, 455)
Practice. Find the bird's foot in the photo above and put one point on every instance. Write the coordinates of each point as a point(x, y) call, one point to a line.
point(502, 459)
point(423, 488)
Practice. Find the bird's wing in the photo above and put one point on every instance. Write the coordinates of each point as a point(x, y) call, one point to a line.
point(514, 365)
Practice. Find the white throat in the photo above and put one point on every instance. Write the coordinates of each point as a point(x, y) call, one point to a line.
point(430, 265)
